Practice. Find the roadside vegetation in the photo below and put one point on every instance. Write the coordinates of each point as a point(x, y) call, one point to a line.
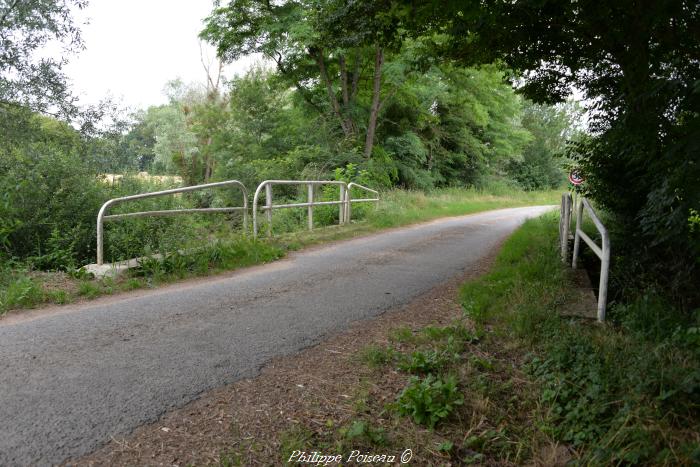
point(512, 381)
point(227, 247)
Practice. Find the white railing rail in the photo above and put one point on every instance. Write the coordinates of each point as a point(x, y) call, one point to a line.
point(349, 200)
point(344, 200)
point(102, 217)
point(310, 184)
point(603, 251)
point(565, 225)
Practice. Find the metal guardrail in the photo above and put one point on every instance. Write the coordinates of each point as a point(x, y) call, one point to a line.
point(603, 251)
point(344, 201)
point(102, 217)
point(565, 225)
point(349, 200)
point(269, 206)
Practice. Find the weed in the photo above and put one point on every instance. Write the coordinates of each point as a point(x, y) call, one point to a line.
point(88, 289)
point(403, 334)
point(431, 399)
point(133, 283)
point(362, 431)
point(60, 297)
point(376, 356)
point(446, 446)
point(481, 363)
point(619, 395)
point(296, 438)
point(22, 292)
point(430, 361)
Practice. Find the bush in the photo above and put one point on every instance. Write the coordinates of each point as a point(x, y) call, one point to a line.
point(48, 208)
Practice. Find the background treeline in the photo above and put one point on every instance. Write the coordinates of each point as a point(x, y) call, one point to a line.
point(431, 125)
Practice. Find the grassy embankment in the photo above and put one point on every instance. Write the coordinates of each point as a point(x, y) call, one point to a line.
point(24, 288)
point(514, 382)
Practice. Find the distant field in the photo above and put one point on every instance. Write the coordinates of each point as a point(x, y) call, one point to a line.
point(111, 179)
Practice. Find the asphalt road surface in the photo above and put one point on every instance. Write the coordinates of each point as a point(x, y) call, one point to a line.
point(72, 377)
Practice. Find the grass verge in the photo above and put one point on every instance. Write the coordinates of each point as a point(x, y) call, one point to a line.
point(21, 287)
point(615, 393)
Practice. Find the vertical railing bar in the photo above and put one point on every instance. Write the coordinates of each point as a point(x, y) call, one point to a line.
point(310, 208)
point(268, 204)
point(577, 237)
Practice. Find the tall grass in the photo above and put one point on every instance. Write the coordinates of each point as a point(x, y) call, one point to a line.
point(402, 207)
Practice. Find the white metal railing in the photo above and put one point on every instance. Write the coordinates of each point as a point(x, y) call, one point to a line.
point(565, 226)
point(269, 206)
point(102, 217)
point(344, 200)
point(349, 200)
point(603, 251)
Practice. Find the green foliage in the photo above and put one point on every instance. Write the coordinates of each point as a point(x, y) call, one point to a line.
point(639, 69)
point(363, 432)
point(430, 399)
point(28, 77)
point(20, 293)
point(430, 361)
point(88, 289)
point(377, 356)
point(620, 394)
point(49, 199)
point(223, 255)
point(541, 166)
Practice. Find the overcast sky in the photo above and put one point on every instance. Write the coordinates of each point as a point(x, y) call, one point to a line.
point(133, 47)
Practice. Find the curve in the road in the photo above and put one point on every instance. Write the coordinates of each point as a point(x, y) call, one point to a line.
point(72, 378)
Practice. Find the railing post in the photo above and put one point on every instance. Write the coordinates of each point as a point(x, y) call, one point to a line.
point(268, 204)
point(565, 226)
point(561, 229)
point(603, 284)
point(100, 240)
point(245, 213)
point(341, 211)
point(310, 208)
point(348, 205)
point(577, 237)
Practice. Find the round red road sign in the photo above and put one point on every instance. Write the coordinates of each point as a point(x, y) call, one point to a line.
point(576, 178)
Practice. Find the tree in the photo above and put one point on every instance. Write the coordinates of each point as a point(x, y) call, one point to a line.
point(26, 78)
point(541, 166)
point(314, 45)
point(638, 62)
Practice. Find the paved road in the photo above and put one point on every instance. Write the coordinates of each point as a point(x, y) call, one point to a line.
point(72, 377)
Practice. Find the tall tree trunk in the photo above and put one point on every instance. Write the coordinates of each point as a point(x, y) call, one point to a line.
point(349, 123)
point(355, 77)
point(374, 110)
point(331, 94)
point(344, 80)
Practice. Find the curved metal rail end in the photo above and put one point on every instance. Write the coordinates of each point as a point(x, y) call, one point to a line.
point(102, 217)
